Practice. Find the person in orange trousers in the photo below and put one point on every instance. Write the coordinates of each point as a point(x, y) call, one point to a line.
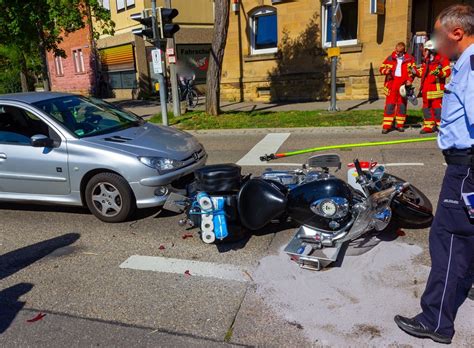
point(399, 70)
point(433, 73)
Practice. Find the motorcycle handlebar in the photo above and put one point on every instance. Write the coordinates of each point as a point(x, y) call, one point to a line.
point(358, 168)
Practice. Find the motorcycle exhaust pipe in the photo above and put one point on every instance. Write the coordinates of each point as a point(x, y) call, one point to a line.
point(389, 193)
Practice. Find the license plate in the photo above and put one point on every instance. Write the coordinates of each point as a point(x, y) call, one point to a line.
point(176, 203)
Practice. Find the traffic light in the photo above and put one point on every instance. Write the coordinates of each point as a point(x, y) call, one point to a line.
point(167, 28)
point(146, 19)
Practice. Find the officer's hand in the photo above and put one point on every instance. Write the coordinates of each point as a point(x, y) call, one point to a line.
point(435, 72)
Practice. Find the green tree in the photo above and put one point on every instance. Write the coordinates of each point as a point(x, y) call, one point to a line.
point(10, 57)
point(41, 25)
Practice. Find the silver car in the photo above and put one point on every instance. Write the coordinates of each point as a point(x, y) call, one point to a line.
point(59, 148)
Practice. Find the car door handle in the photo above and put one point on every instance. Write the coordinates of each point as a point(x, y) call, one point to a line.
point(3, 156)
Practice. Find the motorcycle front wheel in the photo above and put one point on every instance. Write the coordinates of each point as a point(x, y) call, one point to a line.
point(193, 99)
point(412, 207)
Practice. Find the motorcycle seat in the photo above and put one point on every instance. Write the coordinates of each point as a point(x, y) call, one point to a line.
point(218, 178)
point(260, 201)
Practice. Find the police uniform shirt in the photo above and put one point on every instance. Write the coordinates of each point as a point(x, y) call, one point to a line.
point(457, 119)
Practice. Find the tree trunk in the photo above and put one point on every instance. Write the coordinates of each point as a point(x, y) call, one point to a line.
point(23, 74)
point(221, 26)
point(44, 59)
point(44, 69)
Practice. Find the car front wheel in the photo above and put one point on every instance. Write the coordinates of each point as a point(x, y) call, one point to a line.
point(109, 197)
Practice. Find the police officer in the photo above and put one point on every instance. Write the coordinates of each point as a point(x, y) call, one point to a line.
point(452, 233)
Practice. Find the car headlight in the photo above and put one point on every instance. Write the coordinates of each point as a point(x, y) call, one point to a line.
point(161, 164)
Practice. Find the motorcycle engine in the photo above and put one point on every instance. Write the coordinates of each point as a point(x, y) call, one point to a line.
point(325, 205)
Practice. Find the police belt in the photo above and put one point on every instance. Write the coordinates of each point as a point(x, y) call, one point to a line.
point(464, 157)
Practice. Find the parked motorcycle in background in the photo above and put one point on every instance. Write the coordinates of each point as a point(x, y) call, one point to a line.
point(226, 206)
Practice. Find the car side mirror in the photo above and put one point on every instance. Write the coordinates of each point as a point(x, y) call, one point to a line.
point(41, 140)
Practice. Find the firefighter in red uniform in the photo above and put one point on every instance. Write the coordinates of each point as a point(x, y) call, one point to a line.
point(433, 73)
point(399, 70)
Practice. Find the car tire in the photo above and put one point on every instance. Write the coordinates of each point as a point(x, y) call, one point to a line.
point(110, 198)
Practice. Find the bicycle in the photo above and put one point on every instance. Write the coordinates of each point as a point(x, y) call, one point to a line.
point(186, 92)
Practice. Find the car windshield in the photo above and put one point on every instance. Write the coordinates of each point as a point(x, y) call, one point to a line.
point(86, 117)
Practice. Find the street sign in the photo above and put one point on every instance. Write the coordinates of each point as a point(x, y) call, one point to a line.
point(170, 51)
point(377, 7)
point(156, 59)
point(172, 59)
point(338, 15)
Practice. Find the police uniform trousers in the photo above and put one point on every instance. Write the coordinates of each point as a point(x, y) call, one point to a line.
point(451, 244)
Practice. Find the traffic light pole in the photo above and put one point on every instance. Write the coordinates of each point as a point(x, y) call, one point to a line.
point(173, 73)
point(333, 106)
point(161, 77)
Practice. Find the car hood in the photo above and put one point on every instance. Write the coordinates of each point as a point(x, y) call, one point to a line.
point(150, 140)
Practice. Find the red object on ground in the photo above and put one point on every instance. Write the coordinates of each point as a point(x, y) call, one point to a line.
point(161, 247)
point(39, 316)
point(187, 273)
point(401, 232)
point(187, 235)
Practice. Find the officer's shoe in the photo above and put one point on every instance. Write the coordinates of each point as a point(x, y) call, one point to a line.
point(413, 327)
point(425, 131)
point(385, 131)
point(400, 129)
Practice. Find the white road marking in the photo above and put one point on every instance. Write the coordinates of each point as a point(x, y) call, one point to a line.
point(403, 164)
point(179, 266)
point(269, 144)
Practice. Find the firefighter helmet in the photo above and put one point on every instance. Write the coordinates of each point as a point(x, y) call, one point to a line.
point(429, 45)
point(403, 91)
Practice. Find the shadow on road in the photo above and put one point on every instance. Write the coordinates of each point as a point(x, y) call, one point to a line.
point(241, 243)
point(10, 304)
point(46, 208)
point(16, 260)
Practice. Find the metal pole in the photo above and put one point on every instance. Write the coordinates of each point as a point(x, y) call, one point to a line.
point(170, 43)
point(161, 77)
point(333, 106)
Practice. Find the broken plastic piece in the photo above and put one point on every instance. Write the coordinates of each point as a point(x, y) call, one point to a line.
point(187, 235)
point(39, 316)
point(161, 247)
point(187, 273)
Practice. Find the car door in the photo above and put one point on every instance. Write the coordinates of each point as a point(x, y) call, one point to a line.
point(25, 169)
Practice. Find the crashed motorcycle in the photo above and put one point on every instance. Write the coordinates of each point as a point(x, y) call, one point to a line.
point(226, 206)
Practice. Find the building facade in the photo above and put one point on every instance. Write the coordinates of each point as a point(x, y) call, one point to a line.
point(76, 72)
point(277, 49)
point(126, 64)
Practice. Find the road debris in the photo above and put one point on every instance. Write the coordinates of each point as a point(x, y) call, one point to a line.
point(38, 317)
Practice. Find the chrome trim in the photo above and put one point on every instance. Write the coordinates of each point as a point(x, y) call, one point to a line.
point(342, 207)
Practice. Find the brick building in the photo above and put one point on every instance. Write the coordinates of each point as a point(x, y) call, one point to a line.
point(76, 72)
point(126, 65)
point(276, 49)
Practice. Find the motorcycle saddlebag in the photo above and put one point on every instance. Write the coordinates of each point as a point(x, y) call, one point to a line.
point(218, 178)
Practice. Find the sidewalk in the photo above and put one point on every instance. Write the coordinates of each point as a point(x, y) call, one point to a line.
point(148, 108)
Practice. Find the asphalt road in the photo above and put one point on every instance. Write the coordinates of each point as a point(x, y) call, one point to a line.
point(64, 263)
